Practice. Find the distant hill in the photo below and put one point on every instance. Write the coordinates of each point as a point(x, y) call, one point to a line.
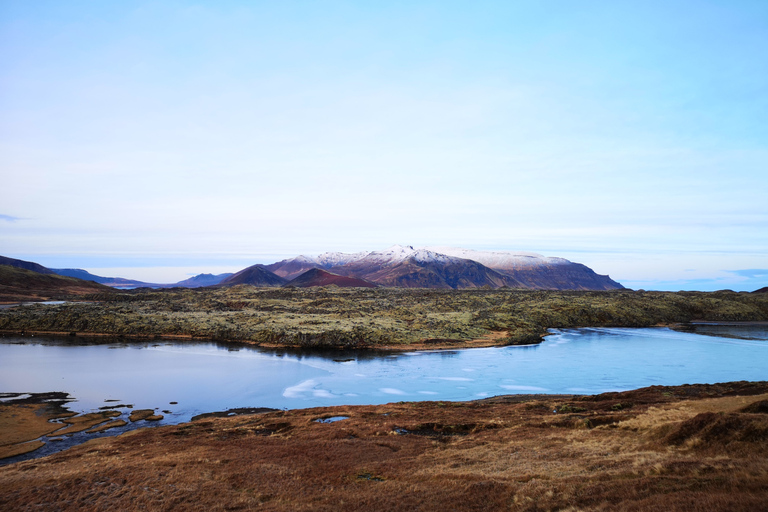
point(19, 284)
point(28, 265)
point(293, 267)
point(762, 290)
point(532, 270)
point(255, 275)
point(411, 268)
point(319, 277)
point(398, 266)
point(197, 281)
point(445, 267)
point(201, 280)
point(115, 282)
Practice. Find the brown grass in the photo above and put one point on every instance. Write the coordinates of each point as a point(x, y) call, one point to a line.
point(683, 448)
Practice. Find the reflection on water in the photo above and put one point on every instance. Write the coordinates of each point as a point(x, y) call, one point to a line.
point(190, 378)
point(746, 331)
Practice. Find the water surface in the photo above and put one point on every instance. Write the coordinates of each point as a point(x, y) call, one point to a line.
point(182, 380)
point(205, 377)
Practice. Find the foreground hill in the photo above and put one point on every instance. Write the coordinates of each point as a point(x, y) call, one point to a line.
point(317, 277)
point(19, 284)
point(442, 267)
point(676, 448)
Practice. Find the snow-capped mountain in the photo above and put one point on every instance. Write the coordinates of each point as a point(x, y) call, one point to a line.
point(334, 259)
point(501, 259)
point(449, 267)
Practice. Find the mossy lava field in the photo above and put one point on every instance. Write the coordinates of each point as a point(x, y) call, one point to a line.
point(383, 318)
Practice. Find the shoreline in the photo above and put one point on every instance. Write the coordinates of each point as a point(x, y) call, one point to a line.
point(489, 340)
point(689, 447)
point(492, 339)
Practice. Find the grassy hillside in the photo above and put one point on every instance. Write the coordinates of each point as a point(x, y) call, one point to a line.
point(19, 284)
point(375, 317)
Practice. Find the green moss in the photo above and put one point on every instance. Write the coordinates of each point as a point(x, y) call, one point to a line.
point(344, 317)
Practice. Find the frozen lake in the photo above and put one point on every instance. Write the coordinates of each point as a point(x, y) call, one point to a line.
point(205, 377)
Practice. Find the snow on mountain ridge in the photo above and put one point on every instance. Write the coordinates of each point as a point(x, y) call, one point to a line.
point(427, 256)
point(500, 259)
point(334, 259)
point(390, 256)
point(399, 253)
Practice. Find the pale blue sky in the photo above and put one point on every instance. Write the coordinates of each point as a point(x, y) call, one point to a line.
point(157, 139)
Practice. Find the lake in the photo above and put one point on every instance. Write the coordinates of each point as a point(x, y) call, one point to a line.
point(190, 378)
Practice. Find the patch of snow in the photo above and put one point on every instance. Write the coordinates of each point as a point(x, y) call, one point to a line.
point(399, 253)
point(391, 256)
point(334, 259)
point(303, 259)
point(427, 256)
point(500, 259)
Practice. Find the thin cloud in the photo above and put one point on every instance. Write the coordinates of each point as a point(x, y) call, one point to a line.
point(9, 218)
point(750, 272)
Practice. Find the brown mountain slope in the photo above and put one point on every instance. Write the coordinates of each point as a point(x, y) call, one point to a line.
point(19, 284)
point(319, 277)
point(414, 274)
point(27, 265)
point(255, 275)
point(292, 268)
point(408, 268)
point(567, 276)
point(535, 271)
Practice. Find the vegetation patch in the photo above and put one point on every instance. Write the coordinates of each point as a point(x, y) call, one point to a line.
point(371, 318)
point(683, 448)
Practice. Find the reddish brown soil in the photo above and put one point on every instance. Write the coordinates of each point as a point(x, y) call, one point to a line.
point(20, 285)
point(678, 448)
point(318, 277)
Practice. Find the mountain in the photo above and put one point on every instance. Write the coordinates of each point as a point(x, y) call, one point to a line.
point(201, 280)
point(294, 267)
point(764, 289)
point(19, 284)
point(115, 282)
point(197, 281)
point(319, 277)
point(446, 267)
point(536, 271)
point(406, 267)
point(255, 275)
point(27, 265)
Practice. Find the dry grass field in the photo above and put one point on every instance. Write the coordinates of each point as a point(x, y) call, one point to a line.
point(685, 448)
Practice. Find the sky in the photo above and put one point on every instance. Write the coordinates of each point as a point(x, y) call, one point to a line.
point(160, 139)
